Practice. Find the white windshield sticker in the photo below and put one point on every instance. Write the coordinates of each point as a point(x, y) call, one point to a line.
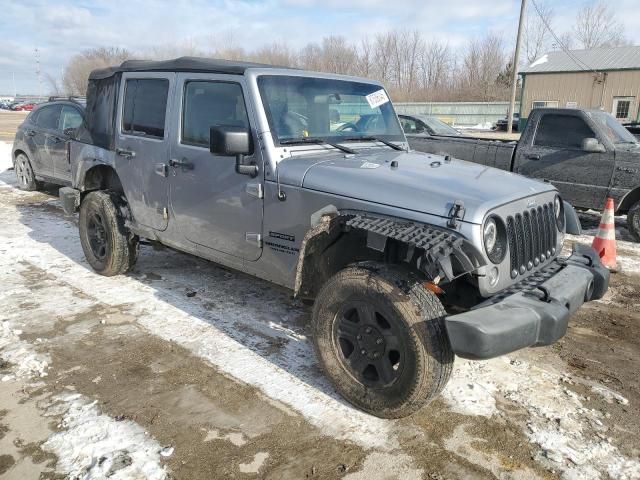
point(378, 98)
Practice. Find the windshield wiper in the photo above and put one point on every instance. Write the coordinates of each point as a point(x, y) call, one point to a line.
point(316, 141)
point(374, 139)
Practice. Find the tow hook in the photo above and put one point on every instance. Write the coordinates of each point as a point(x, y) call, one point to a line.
point(546, 296)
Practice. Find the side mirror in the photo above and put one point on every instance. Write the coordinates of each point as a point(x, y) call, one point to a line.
point(592, 145)
point(228, 141)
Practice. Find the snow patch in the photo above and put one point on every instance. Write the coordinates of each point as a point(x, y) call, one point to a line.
point(609, 395)
point(479, 126)
point(26, 361)
point(542, 60)
point(255, 465)
point(95, 446)
point(468, 396)
point(5, 156)
point(571, 436)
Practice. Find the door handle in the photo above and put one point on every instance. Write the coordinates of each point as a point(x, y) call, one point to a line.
point(125, 153)
point(30, 133)
point(184, 164)
point(162, 169)
point(532, 156)
point(56, 139)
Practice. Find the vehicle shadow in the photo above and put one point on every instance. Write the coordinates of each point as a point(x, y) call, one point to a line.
point(256, 314)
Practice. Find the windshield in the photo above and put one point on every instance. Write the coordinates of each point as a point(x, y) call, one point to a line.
point(612, 128)
point(438, 127)
point(333, 110)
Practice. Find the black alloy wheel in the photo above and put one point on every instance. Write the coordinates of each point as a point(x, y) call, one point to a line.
point(371, 345)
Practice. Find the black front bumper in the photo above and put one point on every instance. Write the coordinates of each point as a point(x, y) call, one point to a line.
point(533, 316)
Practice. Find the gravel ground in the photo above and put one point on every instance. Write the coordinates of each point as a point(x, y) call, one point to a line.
point(183, 369)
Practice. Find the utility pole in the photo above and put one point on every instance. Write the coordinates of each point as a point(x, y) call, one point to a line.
point(38, 73)
point(514, 77)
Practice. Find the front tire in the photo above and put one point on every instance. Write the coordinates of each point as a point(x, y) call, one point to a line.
point(108, 246)
point(25, 175)
point(633, 221)
point(380, 338)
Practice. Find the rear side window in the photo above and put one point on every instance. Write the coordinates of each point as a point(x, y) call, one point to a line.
point(562, 131)
point(70, 118)
point(48, 117)
point(145, 107)
point(211, 103)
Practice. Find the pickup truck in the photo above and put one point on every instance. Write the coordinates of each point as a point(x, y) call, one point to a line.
point(408, 258)
point(586, 154)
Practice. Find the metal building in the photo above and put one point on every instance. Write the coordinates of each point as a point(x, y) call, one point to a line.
point(603, 78)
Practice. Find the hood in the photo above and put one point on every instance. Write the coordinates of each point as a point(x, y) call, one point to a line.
point(420, 182)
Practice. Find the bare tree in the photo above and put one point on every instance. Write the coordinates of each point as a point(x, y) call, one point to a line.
point(54, 86)
point(536, 38)
point(338, 55)
point(481, 63)
point(436, 63)
point(275, 54)
point(76, 73)
point(596, 26)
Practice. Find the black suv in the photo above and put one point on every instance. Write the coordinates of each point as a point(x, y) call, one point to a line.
point(39, 149)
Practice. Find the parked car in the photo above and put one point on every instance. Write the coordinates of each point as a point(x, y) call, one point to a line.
point(40, 145)
point(587, 154)
point(24, 107)
point(634, 128)
point(237, 163)
point(501, 124)
point(426, 125)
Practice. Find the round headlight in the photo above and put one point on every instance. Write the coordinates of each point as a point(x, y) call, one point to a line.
point(494, 237)
point(558, 209)
point(490, 234)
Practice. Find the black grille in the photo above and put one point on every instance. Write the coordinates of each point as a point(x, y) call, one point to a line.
point(532, 238)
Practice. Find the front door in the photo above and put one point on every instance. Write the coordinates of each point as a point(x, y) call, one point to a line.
point(214, 206)
point(142, 145)
point(556, 155)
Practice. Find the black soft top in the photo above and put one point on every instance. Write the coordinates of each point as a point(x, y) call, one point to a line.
point(182, 64)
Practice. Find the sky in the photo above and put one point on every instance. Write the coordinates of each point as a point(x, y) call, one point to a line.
point(59, 29)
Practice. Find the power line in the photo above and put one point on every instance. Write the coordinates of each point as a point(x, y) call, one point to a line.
point(582, 65)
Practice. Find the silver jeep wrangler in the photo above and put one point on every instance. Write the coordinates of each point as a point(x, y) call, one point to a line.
point(306, 180)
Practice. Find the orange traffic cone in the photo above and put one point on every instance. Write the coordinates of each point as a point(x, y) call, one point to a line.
point(605, 241)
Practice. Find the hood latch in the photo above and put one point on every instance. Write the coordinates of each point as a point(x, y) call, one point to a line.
point(456, 213)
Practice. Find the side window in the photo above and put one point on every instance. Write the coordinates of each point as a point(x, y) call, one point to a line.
point(70, 118)
point(206, 104)
point(145, 107)
point(562, 131)
point(48, 117)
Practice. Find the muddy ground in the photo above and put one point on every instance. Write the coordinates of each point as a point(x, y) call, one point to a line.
point(198, 372)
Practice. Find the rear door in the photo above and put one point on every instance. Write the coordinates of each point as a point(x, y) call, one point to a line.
point(555, 154)
point(214, 206)
point(43, 137)
point(70, 117)
point(142, 144)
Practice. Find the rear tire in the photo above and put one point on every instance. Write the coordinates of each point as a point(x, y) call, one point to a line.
point(633, 221)
point(108, 245)
point(381, 339)
point(25, 174)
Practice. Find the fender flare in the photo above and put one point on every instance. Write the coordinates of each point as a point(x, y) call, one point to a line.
point(440, 246)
